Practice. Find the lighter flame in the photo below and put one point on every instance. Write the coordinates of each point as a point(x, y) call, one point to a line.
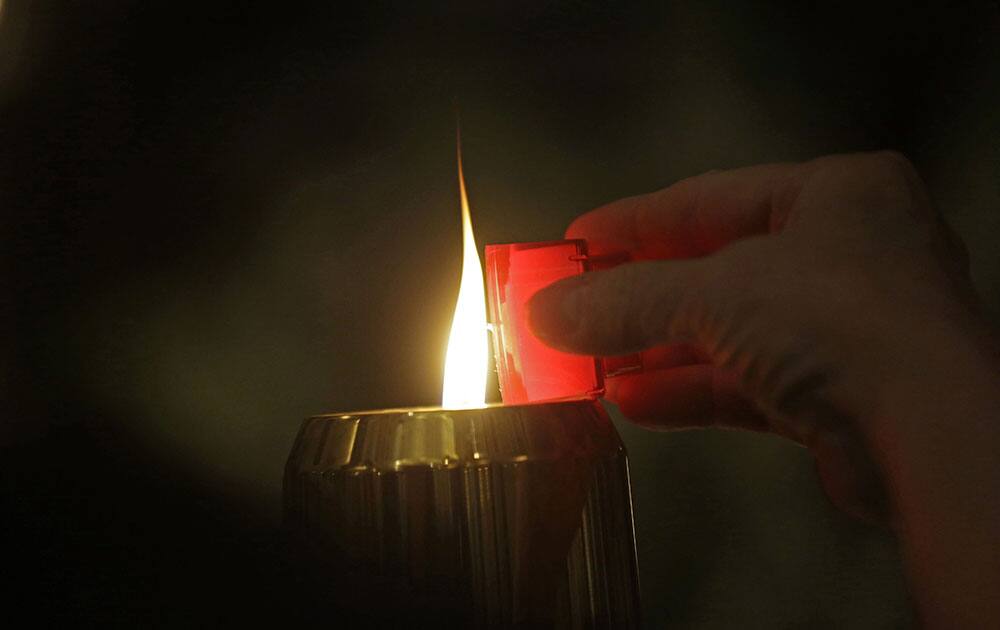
point(465, 365)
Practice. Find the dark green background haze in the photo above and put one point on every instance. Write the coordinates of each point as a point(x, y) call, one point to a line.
point(220, 217)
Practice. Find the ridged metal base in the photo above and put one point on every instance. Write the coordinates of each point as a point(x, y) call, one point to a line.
point(493, 517)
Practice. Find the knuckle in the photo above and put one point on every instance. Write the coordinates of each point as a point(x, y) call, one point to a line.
point(882, 169)
point(765, 323)
point(741, 268)
point(895, 169)
point(893, 161)
point(877, 167)
point(881, 189)
point(740, 285)
point(638, 320)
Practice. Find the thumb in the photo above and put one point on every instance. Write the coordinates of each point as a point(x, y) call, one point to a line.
point(619, 311)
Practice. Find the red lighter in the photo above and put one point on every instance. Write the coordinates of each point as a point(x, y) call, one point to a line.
point(527, 369)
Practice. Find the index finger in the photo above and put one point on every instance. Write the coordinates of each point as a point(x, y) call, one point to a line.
point(695, 216)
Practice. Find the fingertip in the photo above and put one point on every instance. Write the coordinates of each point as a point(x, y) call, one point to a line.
point(677, 397)
point(593, 223)
point(604, 231)
point(682, 397)
point(576, 228)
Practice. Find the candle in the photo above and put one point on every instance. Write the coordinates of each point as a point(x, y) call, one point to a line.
point(469, 514)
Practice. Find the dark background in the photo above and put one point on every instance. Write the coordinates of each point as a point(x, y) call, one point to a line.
point(220, 217)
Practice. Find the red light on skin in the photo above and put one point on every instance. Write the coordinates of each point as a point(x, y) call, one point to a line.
point(527, 369)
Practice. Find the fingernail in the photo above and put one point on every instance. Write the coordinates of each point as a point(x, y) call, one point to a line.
point(554, 314)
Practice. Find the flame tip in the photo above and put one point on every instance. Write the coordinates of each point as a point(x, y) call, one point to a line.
point(468, 345)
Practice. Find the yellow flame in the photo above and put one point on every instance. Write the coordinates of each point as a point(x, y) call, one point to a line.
point(465, 366)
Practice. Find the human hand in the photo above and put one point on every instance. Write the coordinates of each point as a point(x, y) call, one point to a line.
point(827, 302)
point(794, 298)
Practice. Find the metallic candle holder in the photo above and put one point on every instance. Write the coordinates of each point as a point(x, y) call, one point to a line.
point(516, 515)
